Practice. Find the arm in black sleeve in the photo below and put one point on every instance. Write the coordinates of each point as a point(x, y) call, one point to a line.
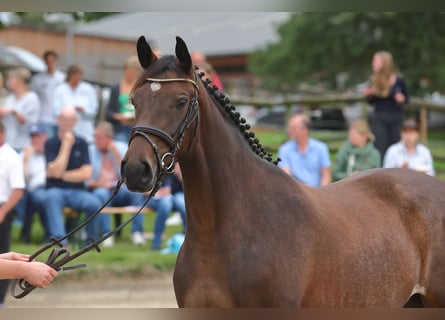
point(113, 104)
point(371, 99)
point(404, 89)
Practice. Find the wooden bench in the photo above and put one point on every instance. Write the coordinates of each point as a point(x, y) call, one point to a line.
point(70, 212)
point(127, 209)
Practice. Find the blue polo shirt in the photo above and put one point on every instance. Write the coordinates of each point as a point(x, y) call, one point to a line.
point(305, 167)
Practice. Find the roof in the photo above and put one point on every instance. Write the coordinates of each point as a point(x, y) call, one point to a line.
point(212, 33)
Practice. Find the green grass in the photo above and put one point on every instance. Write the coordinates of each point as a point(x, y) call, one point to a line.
point(122, 257)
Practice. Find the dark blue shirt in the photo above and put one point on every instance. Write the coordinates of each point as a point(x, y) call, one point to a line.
point(176, 185)
point(78, 157)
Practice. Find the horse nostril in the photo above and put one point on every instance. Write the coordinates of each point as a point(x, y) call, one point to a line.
point(146, 172)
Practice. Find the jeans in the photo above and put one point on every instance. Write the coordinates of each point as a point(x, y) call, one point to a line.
point(163, 207)
point(79, 200)
point(386, 128)
point(123, 198)
point(179, 205)
point(32, 202)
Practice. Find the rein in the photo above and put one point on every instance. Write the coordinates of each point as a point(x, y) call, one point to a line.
point(60, 255)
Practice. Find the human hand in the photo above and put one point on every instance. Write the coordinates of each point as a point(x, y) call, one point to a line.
point(15, 256)
point(5, 111)
point(123, 119)
point(80, 109)
point(3, 213)
point(164, 191)
point(39, 274)
point(405, 165)
point(367, 91)
point(399, 97)
point(27, 152)
point(68, 138)
point(112, 147)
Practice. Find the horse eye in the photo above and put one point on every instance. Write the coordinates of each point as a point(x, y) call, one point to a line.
point(181, 103)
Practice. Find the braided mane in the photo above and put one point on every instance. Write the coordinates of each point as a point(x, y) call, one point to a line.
point(168, 63)
point(235, 116)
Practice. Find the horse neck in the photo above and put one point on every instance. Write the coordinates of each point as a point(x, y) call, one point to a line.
point(215, 167)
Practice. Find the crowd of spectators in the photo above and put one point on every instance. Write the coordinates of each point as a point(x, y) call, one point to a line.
point(69, 159)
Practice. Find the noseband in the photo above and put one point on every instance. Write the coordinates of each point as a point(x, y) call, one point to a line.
point(167, 160)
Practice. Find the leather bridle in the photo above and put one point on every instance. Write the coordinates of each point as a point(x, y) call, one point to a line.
point(174, 142)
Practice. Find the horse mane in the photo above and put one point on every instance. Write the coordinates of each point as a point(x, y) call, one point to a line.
point(168, 63)
point(223, 101)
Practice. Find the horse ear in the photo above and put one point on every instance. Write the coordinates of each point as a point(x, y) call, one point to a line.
point(145, 54)
point(183, 55)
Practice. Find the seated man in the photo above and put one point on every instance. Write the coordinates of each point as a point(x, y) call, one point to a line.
point(34, 167)
point(304, 158)
point(68, 167)
point(409, 153)
point(106, 156)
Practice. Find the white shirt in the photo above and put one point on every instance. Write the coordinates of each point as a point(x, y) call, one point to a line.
point(17, 134)
point(11, 172)
point(421, 160)
point(44, 84)
point(36, 171)
point(85, 96)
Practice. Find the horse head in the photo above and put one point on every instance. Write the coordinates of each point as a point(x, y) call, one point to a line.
point(165, 98)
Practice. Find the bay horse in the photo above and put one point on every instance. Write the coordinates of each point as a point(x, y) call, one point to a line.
point(255, 237)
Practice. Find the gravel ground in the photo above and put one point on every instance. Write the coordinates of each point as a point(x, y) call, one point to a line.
point(154, 290)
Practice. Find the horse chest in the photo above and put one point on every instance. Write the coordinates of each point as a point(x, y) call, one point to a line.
point(212, 280)
point(200, 282)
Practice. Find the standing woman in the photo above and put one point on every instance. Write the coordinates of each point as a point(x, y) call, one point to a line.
point(21, 109)
point(120, 111)
point(387, 93)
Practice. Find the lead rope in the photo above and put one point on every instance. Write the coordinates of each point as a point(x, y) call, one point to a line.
point(61, 256)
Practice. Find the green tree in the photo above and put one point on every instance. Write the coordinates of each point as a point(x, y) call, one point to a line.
point(315, 48)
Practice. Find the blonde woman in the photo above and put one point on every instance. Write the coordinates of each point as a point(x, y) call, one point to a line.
point(120, 111)
point(388, 93)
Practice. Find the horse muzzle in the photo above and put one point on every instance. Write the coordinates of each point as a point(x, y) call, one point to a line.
point(137, 175)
